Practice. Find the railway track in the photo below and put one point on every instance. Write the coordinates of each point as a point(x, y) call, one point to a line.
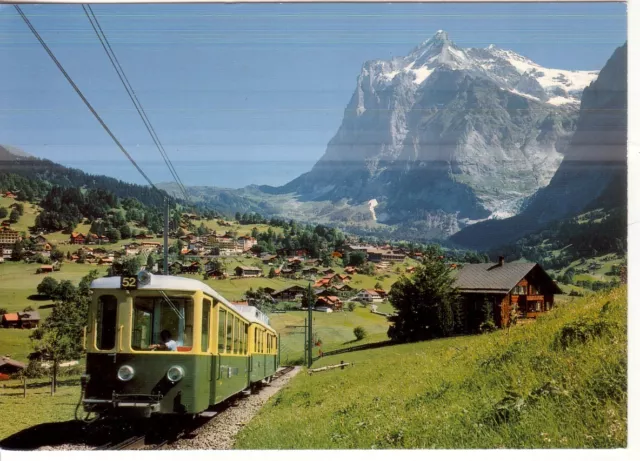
point(153, 440)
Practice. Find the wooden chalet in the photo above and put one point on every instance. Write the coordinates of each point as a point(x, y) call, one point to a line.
point(310, 271)
point(8, 366)
point(29, 319)
point(526, 285)
point(248, 271)
point(10, 320)
point(77, 238)
point(324, 282)
point(333, 302)
point(287, 273)
point(10, 194)
point(216, 274)
point(289, 294)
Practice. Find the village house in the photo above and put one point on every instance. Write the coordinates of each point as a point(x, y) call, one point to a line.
point(525, 285)
point(343, 288)
point(77, 238)
point(332, 302)
point(291, 293)
point(198, 246)
point(46, 268)
point(323, 282)
point(7, 252)
point(269, 259)
point(8, 236)
point(340, 278)
point(248, 271)
point(10, 320)
point(9, 367)
point(310, 271)
point(5, 223)
point(385, 255)
point(350, 270)
point(144, 236)
point(287, 273)
point(369, 296)
point(10, 194)
point(29, 319)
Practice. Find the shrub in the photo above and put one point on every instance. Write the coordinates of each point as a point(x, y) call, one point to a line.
point(581, 331)
point(360, 333)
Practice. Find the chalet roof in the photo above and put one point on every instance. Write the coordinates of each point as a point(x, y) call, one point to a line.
point(9, 361)
point(494, 278)
point(31, 315)
point(11, 317)
point(297, 288)
point(248, 268)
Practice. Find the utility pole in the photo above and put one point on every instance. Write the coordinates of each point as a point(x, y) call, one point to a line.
point(165, 266)
point(305, 341)
point(310, 347)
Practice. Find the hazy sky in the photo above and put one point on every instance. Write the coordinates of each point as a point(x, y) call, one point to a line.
point(244, 94)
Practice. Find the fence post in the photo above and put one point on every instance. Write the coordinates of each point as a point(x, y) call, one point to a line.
point(342, 363)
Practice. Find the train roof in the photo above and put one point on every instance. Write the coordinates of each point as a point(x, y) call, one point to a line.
point(171, 282)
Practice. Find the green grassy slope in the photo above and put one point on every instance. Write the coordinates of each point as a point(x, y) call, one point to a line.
point(516, 389)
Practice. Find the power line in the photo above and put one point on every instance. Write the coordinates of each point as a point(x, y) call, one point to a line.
point(75, 87)
point(130, 91)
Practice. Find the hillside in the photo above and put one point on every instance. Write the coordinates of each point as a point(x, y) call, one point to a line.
point(31, 175)
point(559, 382)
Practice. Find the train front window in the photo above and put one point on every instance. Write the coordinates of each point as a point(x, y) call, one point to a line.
point(106, 319)
point(153, 315)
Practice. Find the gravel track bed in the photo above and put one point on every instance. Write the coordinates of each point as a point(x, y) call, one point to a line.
point(219, 434)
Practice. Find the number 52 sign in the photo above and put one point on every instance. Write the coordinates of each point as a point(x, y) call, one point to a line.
point(128, 282)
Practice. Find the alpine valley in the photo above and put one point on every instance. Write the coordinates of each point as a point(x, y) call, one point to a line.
point(447, 139)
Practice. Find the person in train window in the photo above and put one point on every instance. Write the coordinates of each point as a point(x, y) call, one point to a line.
point(168, 344)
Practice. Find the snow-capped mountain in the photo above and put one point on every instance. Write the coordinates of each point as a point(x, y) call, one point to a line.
point(448, 136)
point(508, 69)
point(593, 172)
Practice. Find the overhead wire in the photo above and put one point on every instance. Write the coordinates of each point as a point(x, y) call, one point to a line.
point(84, 99)
point(104, 41)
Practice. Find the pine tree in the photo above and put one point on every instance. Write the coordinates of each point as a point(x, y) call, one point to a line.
point(425, 304)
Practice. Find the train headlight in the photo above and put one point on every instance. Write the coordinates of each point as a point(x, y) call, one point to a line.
point(175, 374)
point(125, 373)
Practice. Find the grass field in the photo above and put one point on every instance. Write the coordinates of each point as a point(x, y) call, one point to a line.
point(516, 389)
point(335, 330)
point(18, 282)
point(39, 406)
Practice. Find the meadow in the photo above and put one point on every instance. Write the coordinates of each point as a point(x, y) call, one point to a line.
point(557, 382)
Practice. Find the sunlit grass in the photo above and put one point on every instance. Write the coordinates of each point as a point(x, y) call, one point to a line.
point(447, 393)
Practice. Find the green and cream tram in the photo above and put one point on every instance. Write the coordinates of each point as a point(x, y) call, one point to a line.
point(217, 349)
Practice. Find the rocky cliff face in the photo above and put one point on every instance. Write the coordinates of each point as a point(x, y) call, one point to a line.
point(593, 171)
point(448, 135)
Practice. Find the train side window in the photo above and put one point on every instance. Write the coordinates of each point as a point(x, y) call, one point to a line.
point(229, 333)
point(235, 335)
point(204, 340)
point(222, 317)
point(106, 320)
point(246, 338)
